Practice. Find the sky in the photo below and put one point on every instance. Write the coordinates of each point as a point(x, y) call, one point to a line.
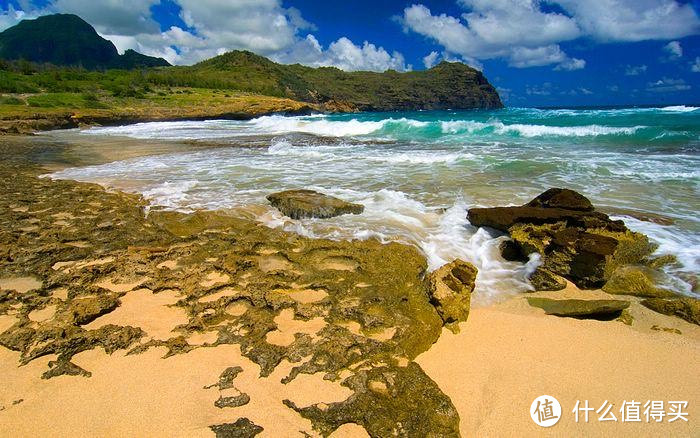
point(536, 52)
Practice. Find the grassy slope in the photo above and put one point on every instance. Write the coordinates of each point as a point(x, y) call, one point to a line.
point(236, 84)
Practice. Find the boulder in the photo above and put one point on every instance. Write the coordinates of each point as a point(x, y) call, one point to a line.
point(575, 242)
point(562, 198)
point(589, 309)
point(299, 204)
point(450, 288)
point(638, 281)
point(544, 280)
point(686, 308)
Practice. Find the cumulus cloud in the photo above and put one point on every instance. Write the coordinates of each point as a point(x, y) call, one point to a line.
point(526, 35)
point(633, 20)
point(498, 29)
point(344, 54)
point(667, 85)
point(695, 65)
point(213, 27)
point(674, 50)
point(635, 70)
point(430, 59)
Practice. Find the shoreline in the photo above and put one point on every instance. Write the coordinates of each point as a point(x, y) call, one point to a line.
point(485, 371)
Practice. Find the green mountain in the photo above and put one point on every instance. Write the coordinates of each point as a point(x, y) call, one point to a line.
point(445, 86)
point(66, 39)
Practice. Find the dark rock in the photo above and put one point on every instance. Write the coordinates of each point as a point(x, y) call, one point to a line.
point(232, 401)
point(575, 242)
point(389, 401)
point(502, 218)
point(561, 198)
point(544, 280)
point(638, 281)
point(686, 308)
point(450, 288)
point(242, 428)
point(511, 251)
point(593, 309)
point(299, 204)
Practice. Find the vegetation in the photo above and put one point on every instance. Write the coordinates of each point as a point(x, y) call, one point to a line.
point(58, 66)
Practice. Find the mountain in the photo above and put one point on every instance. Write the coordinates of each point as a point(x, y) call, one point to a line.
point(445, 86)
point(67, 40)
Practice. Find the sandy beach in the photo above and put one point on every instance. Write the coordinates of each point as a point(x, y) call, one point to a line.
point(504, 356)
point(185, 325)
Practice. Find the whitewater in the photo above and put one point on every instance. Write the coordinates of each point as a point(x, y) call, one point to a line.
point(417, 173)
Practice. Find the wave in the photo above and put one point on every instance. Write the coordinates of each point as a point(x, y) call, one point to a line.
point(679, 108)
point(527, 130)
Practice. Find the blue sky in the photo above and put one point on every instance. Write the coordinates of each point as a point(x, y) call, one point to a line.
point(538, 53)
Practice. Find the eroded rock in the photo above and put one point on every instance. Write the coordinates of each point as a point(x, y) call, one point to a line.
point(450, 288)
point(594, 309)
point(574, 241)
point(640, 281)
point(371, 297)
point(544, 280)
point(300, 204)
point(686, 308)
point(242, 428)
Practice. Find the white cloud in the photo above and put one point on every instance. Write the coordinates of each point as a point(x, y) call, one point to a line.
point(667, 85)
point(635, 70)
point(633, 20)
point(674, 49)
point(430, 59)
point(343, 54)
point(571, 64)
point(213, 27)
point(114, 17)
point(521, 32)
point(498, 29)
point(695, 65)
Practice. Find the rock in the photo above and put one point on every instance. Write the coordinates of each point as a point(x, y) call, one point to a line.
point(686, 308)
point(561, 198)
point(593, 309)
point(85, 310)
point(643, 216)
point(242, 428)
point(450, 288)
point(544, 280)
point(637, 281)
point(511, 251)
point(299, 204)
point(574, 241)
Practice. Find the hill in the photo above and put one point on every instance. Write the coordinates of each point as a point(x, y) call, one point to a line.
point(67, 40)
point(445, 86)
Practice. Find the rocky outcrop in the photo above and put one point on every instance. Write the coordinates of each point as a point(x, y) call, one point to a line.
point(300, 204)
point(575, 242)
point(544, 280)
point(639, 281)
point(686, 308)
point(450, 288)
point(593, 309)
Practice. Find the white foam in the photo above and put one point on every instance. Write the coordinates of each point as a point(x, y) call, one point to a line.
point(679, 108)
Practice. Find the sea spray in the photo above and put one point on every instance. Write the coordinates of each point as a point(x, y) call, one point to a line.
point(418, 172)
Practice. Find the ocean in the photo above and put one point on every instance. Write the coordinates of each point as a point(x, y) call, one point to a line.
point(417, 173)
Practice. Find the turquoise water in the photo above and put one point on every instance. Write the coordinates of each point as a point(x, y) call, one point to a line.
point(418, 172)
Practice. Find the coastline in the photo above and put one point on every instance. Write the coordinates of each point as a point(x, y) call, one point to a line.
point(210, 105)
point(488, 387)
